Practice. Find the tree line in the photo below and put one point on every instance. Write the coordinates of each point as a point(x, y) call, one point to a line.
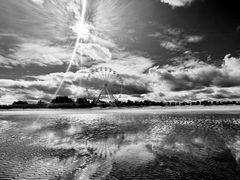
point(66, 102)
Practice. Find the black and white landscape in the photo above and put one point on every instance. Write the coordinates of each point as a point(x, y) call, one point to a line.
point(119, 89)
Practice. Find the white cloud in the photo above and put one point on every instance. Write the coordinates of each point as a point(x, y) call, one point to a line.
point(38, 1)
point(192, 80)
point(171, 46)
point(155, 35)
point(40, 87)
point(95, 51)
point(194, 39)
point(7, 99)
point(196, 79)
point(129, 64)
point(177, 3)
point(39, 53)
point(231, 65)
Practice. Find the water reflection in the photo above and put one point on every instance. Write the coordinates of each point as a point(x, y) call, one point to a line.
point(124, 146)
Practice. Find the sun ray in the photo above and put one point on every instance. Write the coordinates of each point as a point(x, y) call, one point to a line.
point(82, 30)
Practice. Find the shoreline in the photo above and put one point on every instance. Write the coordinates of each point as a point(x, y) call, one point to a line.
point(150, 109)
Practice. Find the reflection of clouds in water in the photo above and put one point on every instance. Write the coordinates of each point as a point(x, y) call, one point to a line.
point(167, 137)
point(73, 129)
point(176, 147)
point(5, 125)
point(125, 146)
point(46, 168)
point(51, 139)
point(83, 118)
point(34, 126)
point(124, 143)
point(96, 170)
point(134, 154)
point(196, 141)
point(235, 148)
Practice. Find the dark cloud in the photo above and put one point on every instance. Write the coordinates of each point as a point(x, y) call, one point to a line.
point(204, 91)
point(185, 81)
point(225, 94)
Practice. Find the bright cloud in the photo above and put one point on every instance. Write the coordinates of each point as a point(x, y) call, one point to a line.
point(177, 3)
point(95, 51)
point(192, 80)
point(38, 1)
point(185, 80)
point(129, 64)
point(194, 39)
point(171, 46)
point(39, 53)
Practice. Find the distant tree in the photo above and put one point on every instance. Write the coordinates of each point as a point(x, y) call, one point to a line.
point(40, 102)
point(62, 99)
point(20, 102)
point(82, 100)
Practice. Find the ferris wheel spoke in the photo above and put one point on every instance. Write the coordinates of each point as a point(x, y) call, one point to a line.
point(104, 72)
point(99, 74)
point(108, 74)
point(107, 71)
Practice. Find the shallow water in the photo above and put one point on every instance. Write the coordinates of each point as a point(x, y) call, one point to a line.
point(149, 143)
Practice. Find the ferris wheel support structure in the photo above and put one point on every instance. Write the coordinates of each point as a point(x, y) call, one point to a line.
point(108, 92)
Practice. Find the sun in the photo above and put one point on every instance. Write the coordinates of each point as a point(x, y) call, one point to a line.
point(82, 29)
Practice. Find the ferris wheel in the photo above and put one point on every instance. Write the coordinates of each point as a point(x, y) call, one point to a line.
point(104, 84)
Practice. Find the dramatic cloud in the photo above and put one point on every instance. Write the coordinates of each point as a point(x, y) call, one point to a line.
point(190, 76)
point(191, 80)
point(34, 88)
point(40, 87)
point(38, 53)
point(45, 53)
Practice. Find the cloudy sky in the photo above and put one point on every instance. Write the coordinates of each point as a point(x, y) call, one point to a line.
point(162, 49)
